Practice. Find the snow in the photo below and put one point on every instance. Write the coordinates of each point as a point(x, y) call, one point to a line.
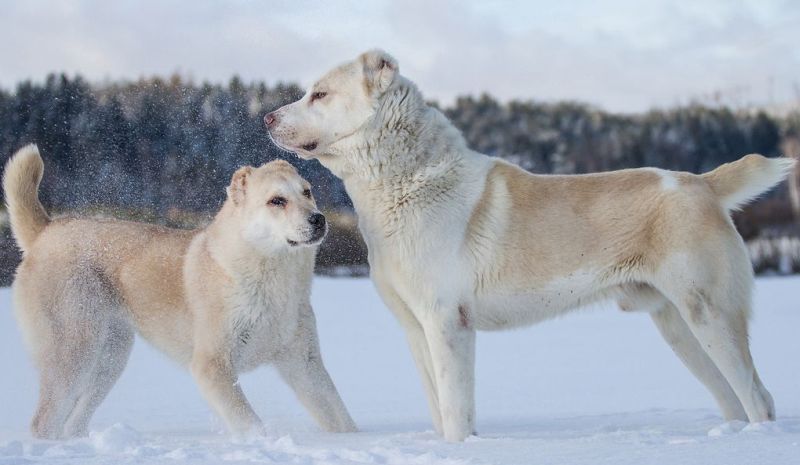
point(598, 386)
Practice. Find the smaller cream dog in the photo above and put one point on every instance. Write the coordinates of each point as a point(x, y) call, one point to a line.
point(221, 300)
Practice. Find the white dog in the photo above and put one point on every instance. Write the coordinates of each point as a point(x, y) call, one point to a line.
point(221, 300)
point(460, 241)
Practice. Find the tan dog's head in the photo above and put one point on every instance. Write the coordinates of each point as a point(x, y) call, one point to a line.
point(276, 207)
point(335, 107)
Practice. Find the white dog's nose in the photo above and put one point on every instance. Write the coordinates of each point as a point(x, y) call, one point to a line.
point(270, 119)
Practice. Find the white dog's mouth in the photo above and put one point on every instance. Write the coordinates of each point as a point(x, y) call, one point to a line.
point(275, 140)
point(297, 150)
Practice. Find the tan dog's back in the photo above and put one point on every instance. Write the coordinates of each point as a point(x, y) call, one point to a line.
point(141, 263)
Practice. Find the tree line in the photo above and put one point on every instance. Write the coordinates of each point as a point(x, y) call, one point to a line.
point(165, 145)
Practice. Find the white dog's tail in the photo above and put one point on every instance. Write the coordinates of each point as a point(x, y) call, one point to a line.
point(21, 180)
point(741, 181)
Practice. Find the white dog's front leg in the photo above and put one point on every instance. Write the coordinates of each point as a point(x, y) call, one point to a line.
point(422, 358)
point(452, 345)
point(418, 344)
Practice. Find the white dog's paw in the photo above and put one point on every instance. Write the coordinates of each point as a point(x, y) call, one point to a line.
point(730, 427)
point(766, 427)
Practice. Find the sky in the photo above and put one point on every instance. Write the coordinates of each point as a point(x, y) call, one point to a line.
point(620, 55)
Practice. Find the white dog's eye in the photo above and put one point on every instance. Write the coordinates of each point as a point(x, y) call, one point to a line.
point(318, 95)
point(307, 193)
point(277, 201)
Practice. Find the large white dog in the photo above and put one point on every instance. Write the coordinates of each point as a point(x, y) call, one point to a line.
point(460, 241)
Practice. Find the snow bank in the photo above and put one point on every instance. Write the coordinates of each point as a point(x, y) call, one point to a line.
point(598, 387)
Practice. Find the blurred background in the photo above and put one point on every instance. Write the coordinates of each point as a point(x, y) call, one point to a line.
point(143, 109)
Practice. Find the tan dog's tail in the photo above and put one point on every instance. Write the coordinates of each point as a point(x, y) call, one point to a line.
point(741, 181)
point(21, 180)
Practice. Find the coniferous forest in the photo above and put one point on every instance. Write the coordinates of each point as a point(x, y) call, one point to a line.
point(164, 149)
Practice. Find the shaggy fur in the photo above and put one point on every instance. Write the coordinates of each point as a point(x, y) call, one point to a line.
point(220, 301)
point(459, 241)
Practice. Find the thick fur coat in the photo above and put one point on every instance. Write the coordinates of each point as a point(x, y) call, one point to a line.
point(459, 241)
point(221, 300)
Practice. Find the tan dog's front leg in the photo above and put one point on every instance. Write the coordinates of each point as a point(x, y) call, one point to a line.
point(304, 372)
point(312, 384)
point(219, 385)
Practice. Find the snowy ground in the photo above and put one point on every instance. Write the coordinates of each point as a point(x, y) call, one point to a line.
point(595, 387)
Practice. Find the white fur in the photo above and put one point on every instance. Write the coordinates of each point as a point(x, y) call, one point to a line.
point(773, 172)
point(668, 181)
point(442, 224)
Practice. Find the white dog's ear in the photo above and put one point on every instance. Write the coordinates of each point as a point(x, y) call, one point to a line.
point(380, 69)
point(238, 185)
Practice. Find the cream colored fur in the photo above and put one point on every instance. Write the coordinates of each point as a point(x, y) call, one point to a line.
point(220, 301)
point(459, 241)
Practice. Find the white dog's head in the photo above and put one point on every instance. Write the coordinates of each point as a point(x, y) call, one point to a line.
point(276, 207)
point(335, 107)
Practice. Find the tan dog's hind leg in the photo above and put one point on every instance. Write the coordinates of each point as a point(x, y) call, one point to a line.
point(678, 335)
point(58, 393)
point(111, 361)
point(69, 335)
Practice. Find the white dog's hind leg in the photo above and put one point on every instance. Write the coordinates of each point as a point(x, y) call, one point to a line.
point(678, 335)
point(722, 332)
point(112, 357)
point(452, 345)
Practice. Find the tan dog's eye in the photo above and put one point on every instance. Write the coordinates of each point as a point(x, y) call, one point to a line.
point(307, 193)
point(318, 95)
point(277, 201)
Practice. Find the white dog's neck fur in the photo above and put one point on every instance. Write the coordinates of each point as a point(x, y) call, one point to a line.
point(404, 138)
point(405, 158)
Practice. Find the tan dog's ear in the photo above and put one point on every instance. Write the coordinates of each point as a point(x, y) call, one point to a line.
point(380, 69)
point(238, 186)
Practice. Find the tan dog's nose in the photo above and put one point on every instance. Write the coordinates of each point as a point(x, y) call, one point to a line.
point(317, 220)
point(270, 119)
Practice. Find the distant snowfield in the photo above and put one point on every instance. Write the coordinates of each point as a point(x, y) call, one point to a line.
point(598, 386)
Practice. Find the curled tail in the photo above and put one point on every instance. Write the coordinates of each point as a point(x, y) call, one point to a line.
point(21, 179)
point(741, 181)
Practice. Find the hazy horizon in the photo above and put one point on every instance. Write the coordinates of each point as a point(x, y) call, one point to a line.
point(618, 56)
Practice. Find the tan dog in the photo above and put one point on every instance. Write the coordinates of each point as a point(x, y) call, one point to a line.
point(460, 241)
point(221, 300)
